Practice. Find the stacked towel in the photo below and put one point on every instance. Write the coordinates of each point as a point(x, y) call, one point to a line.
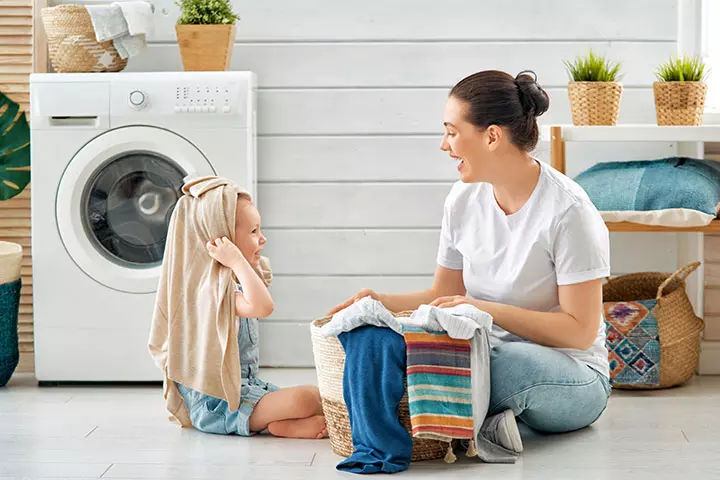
point(125, 23)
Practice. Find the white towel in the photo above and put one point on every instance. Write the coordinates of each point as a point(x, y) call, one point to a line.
point(125, 23)
point(138, 15)
point(108, 22)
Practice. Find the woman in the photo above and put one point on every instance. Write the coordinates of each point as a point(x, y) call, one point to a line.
point(524, 243)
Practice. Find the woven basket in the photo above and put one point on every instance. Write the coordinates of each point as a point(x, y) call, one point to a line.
point(679, 329)
point(72, 44)
point(679, 103)
point(594, 103)
point(330, 365)
point(10, 283)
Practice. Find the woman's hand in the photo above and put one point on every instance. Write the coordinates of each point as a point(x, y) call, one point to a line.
point(225, 252)
point(453, 301)
point(365, 292)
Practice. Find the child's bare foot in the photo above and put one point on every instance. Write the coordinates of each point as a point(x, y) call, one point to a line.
point(311, 427)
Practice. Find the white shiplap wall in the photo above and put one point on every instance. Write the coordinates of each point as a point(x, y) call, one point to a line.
point(350, 111)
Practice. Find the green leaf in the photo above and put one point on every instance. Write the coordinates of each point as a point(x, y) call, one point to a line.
point(682, 69)
point(593, 68)
point(14, 149)
point(206, 12)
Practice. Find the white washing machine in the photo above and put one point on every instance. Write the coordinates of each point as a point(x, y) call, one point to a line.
point(109, 155)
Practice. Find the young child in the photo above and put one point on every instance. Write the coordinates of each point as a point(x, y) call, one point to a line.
point(294, 412)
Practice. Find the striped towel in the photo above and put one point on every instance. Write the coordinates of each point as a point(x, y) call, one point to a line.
point(439, 385)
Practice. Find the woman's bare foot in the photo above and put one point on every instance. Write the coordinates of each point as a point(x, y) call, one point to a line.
point(311, 427)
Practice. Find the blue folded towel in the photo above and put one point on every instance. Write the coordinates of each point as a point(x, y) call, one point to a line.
point(372, 388)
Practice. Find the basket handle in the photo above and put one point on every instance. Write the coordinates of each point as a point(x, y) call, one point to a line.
point(681, 274)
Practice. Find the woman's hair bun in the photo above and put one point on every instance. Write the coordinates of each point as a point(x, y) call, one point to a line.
point(534, 99)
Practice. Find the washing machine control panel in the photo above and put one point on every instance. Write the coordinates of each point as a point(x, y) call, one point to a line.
point(204, 98)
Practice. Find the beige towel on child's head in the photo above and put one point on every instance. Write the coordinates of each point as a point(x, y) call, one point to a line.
point(193, 338)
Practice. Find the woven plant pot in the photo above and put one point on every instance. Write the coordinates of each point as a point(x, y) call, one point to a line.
point(205, 47)
point(330, 365)
point(72, 45)
point(679, 103)
point(10, 283)
point(595, 103)
point(678, 328)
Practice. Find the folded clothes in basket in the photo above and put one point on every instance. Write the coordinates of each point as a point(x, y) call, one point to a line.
point(125, 23)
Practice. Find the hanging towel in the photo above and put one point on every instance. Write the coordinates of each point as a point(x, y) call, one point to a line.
point(372, 389)
point(445, 389)
point(125, 23)
point(193, 336)
point(439, 383)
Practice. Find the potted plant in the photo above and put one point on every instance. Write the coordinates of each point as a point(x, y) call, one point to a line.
point(680, 91)
point(594, 90)
point(206, 33)
point(14, 177)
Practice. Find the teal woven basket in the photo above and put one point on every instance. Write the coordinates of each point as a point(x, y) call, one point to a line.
point(9, 305)
point(10, 284)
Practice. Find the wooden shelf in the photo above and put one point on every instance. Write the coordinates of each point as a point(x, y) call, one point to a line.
point(635, 133)
point(558, 135)
point(714, 227)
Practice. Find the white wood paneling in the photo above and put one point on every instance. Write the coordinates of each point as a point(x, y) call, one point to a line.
point(317, 252)
point(415, 158)
point(390, 205)
point(413, 64)
point(398, 111)
point(428, 20)
point(352, 252)
point(306, 298)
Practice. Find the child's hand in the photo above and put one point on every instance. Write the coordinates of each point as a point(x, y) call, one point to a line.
point(225, 252)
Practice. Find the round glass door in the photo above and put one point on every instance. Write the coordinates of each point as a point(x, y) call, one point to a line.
point(127, 207)
point(115, 200)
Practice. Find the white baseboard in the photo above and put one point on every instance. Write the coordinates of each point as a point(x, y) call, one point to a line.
point(709, 358)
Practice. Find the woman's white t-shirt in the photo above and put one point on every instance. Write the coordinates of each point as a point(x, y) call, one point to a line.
point(556, 238)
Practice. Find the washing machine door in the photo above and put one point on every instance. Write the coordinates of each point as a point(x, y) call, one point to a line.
point(115, 199)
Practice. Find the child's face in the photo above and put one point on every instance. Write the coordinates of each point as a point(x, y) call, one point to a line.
point(248, 237)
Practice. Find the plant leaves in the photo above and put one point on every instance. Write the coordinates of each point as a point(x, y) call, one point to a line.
point(14, 149)
point(682, 69)
point(206, 12)
point(593, 68)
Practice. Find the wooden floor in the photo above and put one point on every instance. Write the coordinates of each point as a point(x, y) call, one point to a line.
point(121, 432)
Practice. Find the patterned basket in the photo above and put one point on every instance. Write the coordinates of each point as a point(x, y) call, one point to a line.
point(653, 334)
point(72, 44)
point(594, 103)
point(679, 103)
point(330, 365)
point(10, 284)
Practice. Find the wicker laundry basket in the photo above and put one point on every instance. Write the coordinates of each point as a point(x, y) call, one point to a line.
point(678, 328)
point(72, 44)
point(330, 365)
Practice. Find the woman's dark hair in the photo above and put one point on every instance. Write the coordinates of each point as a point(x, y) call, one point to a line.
point(496, 98)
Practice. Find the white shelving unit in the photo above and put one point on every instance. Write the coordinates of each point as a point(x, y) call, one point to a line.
point(690, 141)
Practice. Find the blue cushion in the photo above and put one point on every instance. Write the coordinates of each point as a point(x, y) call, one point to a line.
point(668, 183)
